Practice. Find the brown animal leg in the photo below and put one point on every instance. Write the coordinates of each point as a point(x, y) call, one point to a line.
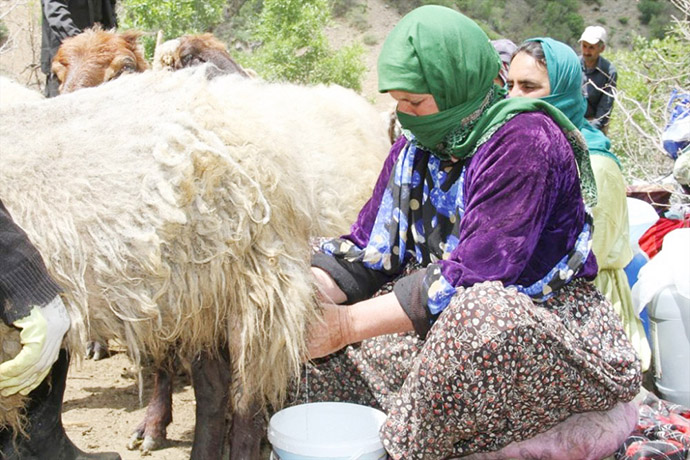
point(211, 380)
point(246, 432)
point(151, 432)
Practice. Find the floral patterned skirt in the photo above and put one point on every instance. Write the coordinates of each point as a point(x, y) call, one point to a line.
point(495, 368)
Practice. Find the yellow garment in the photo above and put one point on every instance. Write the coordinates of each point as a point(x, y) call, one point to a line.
point(611, 246)
point(18, 374)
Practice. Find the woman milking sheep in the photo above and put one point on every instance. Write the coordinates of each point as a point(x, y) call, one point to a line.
point(461, 303)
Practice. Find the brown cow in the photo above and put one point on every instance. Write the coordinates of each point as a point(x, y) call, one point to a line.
point(96, 56)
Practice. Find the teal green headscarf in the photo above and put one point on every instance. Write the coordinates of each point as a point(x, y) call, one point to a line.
point(565, 78)
point(436, 50)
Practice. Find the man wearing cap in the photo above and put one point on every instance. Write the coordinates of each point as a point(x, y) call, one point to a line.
point(599, 77)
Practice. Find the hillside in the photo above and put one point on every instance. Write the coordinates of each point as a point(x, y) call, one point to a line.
point(372, 19)
point(367, 21)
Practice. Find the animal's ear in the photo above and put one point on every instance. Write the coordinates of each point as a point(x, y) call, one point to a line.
point(131, 37)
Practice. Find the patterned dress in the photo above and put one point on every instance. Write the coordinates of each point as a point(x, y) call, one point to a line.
point(490, 363)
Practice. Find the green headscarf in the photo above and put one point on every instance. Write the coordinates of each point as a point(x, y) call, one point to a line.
point(565, 78)
point(436, 50)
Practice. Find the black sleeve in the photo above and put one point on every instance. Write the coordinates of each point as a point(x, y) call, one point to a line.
point(59, 19)
point(24, 281)
point(411, 293)
point(356, 281)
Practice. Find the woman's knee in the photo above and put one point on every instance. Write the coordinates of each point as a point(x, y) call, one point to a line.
point(484, 309)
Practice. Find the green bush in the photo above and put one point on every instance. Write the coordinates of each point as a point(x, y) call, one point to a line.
point(340, 8)
point(357, 17)
point(295, 48)
point(405, 6)
point(174, 18)
point(623, 20)
point(658, 27)
point(370, 39)
point(240, 27)
point(649, 9)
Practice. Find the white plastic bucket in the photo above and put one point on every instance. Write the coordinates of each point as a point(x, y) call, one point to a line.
point(327, 430)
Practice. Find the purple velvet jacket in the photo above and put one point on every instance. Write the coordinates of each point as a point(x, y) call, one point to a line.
point(523, 213)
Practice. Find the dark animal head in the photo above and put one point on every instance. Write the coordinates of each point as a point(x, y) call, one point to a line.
point(205, 48)
point(96, 56)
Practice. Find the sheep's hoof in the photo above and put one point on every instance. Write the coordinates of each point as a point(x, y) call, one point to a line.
point(145, 444)
point(148, 445)
point(97, 350)
point(135, 441)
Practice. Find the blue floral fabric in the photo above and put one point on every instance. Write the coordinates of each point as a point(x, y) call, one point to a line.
point(418, 220)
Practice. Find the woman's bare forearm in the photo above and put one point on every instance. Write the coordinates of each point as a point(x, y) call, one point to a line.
point(377, 316)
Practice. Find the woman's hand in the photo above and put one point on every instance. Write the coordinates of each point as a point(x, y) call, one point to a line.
point(341, 325)
point(330, 332)
point(328, 290)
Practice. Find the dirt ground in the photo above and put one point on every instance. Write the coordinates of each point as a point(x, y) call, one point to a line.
point(101, 408)
point(101, 403)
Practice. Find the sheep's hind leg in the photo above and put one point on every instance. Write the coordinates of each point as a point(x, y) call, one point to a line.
point(211, 380)
point(151, 432)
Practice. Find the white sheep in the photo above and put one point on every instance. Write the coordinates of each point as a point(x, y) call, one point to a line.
point(181, 214)
point(12, 92)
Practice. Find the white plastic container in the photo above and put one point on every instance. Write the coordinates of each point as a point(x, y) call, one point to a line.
point(327, 430)
point(669, 324)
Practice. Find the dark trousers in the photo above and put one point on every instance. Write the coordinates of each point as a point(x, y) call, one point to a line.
point(52, 85)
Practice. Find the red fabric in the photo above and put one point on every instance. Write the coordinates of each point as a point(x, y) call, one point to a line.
point(651, 241)
point(662, 432)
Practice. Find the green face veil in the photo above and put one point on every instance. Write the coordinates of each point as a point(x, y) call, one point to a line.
point(438, 51)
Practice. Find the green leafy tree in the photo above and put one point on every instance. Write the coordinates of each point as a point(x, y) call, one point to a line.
point(173, 17)
point(295, 48)
point(648, 9)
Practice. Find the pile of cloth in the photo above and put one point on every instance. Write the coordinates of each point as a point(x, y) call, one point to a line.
point(662, 432)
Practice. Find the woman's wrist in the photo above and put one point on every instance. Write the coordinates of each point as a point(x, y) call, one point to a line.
point(345, 322)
